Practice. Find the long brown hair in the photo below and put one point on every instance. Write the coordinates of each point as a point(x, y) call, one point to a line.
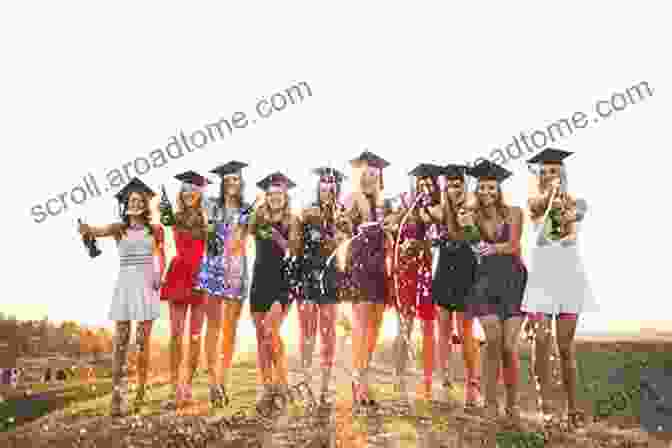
point(146, 217)
point(502, 210)
point(187, 217)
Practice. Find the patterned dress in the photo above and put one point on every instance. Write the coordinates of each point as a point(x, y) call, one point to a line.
point(368, 260)
point(500, 283)
point(415, 275)
point(455, 271)
point(134, 296)
point(313, 267)
point(223, 271)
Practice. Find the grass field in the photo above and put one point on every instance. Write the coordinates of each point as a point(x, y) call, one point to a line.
point(595, 363)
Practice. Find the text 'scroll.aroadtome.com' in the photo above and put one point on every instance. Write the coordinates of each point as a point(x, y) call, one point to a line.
point(177, 146)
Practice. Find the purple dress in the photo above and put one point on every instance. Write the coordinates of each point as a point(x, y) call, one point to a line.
point(368, 259)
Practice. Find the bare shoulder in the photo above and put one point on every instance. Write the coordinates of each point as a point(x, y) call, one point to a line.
point(516, 213)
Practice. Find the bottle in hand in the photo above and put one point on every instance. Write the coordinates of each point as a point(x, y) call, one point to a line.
point(90, 243)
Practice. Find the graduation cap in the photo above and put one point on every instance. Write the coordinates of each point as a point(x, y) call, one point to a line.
point(487, 170)
point(455, 171)
point(328, 174)
point(134, 186)
point(372, 159)
point(193, 178)
point(232, 167)
point(426, 170)
point(276, 179)
point(550, 155)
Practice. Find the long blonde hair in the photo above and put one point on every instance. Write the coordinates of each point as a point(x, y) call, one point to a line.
point(187, 217)
point(502, 209)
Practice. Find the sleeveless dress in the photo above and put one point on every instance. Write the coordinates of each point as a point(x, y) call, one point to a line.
point(183, 271)
point(134, 297)
point(223, 273)
point(268, 282)
point(368, 274)
point(455, 272)
point(500, 283)
point(415, 276)
point(313, 266)
point(558, 280)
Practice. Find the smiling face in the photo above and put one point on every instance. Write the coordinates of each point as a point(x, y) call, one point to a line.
point(136, 205)
point(488, 192)
point(425, 185)
point(548, 172)
point(455, 190)
point(231, 184)
point(327, 191)
point(276, 198)
point(190, 199)
point(370, 179)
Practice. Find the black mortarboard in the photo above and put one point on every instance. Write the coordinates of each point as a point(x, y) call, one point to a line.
point(487, 170)
point(371, 159)
point(276, 178)
point(134, 186)
point(192, 177)
point(455, 171)
point(232, 167)
point(426, 170)
point(329, 173)
point(550, 155)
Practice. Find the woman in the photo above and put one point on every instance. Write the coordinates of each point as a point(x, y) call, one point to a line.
point(136, 295)
point(190, 233)
point(422, 209)
point(365, 211)
point(501, 276)
point(455, 275)
point(319, 301)
point(278, 241)
point(223, 276)
point(558, 284)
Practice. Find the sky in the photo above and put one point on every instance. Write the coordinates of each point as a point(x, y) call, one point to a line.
point(87, 89)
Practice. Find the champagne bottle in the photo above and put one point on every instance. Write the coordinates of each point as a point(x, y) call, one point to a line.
point(90, 243)
point(167, 215)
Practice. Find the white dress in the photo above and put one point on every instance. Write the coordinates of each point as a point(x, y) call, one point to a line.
point(134, 296)
point(557, 280)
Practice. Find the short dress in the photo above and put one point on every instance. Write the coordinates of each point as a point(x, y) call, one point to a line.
point(134, 297)
point(269, 284)
point(313, 266)
point(558, 280)
point(183, 270)
point(455, 272)
point(500, 283)
point(415, 276)
point(223, 273)
point(368, 274)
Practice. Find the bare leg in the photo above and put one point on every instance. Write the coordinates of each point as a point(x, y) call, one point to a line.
point(494, 335)
point(264, 351)
point(471, 352)
point(143, 332)
point(178, 313)
point(428, 345)
point(308, 314)
point(122, 337)
point(231, 318)
point(376, 313)
point(566, 328)
point(445, 344)
point(327, 318)
point(359, 348)
point(196, 316)
point(213, 310)
point(511, 365)
point(543, 345)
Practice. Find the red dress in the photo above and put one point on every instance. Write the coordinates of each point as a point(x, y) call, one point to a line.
point(183, 270)
point(415, 278)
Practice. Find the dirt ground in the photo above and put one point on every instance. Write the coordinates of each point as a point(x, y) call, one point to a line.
point(423, 424)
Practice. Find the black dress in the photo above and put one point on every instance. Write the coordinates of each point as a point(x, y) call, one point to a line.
point(268, 282)
point(455, 274)
point(313, 267)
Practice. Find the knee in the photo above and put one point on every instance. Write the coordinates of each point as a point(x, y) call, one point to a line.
point(566, 350)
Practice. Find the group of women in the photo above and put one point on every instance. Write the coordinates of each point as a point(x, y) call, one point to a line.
point(439, 253)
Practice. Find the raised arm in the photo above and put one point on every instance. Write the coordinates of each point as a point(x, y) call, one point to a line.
point(100, 232)
point(513, 245)
point(295, 243)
